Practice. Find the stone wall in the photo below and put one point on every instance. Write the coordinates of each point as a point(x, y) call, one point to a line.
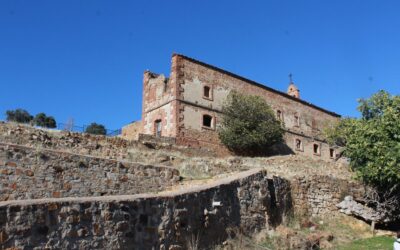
point(131, 131)
point(239, 203)
point(29, 173)
point(77, 143)
point(146, 149)
point(318, 195)
point(244, 202)
point(315, 186)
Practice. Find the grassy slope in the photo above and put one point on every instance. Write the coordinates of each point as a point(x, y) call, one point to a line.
point(374, 243)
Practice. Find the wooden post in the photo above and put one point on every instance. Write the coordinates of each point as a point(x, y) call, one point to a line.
point(373, 227)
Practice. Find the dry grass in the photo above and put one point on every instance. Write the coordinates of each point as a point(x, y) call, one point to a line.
point(341, 231)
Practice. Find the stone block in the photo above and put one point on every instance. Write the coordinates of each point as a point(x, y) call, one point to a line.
point(11, 164)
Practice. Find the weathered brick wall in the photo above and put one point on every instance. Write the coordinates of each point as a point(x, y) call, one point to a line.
point(29, 173)
point(159, 102)
point(143, 221)
point(166, 115)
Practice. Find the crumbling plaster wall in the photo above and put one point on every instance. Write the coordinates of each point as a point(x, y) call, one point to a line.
point(166, 114)
point(307, 148)
point(160, 102)
point(194, 76)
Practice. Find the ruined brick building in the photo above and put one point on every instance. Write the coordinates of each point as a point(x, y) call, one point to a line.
point(187, 107)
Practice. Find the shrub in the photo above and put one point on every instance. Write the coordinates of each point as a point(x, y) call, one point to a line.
point(248, 124)
point(18, 115)
point(372, 142)
point(44, 121)
point(96, 129)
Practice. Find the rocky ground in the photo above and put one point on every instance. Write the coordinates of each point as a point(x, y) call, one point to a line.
point(200, 168)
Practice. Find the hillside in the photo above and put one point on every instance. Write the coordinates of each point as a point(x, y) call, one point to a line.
point(94, 191)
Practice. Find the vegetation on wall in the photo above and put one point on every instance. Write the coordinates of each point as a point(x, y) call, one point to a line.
point(248, 125)
point(96, 129)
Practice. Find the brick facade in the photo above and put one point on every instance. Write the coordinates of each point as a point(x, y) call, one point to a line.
point(188, 106)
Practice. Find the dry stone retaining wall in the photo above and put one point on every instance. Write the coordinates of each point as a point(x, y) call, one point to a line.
point(94, 145)
point(242, 202)
point(78, 143)
point(246, 202)
point(318, 195)
point(28, 173)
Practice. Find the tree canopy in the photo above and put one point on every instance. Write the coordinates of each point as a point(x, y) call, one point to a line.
point(248, 125)
point(18, 115)
point(43, 120)
point(96, 129)
point(372, 142)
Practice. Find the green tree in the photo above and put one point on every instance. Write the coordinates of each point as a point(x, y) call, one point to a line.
point(372, 142)
point(18, 115)
point(248, 124)
point(96, 129)
point(43, 120)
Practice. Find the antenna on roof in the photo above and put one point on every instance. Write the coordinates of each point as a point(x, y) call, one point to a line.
point(290, 78)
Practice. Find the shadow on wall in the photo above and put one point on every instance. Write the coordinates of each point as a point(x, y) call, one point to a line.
point(280, 209)
point(274, 150)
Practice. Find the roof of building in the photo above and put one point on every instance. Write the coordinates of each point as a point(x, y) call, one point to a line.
point(257, 84)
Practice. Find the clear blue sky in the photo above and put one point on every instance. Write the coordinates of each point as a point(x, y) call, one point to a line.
point(85, 59)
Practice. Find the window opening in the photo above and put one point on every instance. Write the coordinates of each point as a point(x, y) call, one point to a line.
point(279, 115)
point(207, 92)
point(316, 149)
point(299, 145)
point(332, 152)
point(157, 125)
point(297, 120)
point(207, 121)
